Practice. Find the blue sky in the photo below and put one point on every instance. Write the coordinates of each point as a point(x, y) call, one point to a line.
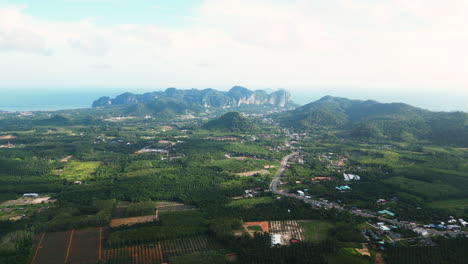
point(111, 11)
point(401, 47)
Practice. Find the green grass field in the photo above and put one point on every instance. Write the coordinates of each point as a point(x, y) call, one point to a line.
point(455, 205)
point(430, 190)
point(76, 170)
point(247, 202)
point(316, 230)
point(255, 228)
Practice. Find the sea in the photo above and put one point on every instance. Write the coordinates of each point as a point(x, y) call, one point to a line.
point(44, 99)
point(51, 99)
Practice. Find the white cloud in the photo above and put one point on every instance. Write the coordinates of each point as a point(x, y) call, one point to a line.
point(258, 43)
point(16, 34)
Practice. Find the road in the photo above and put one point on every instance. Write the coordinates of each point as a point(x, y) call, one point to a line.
point(328, 205)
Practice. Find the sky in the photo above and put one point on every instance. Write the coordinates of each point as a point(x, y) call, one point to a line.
point(412, 51)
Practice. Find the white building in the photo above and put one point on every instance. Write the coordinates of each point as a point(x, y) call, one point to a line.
point(349, 177)
point(301, 193)
point(30, 195)
point(384, 228)
point(276, 239)
point(423, 232)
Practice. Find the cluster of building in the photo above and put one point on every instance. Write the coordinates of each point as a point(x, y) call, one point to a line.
point(451, 225)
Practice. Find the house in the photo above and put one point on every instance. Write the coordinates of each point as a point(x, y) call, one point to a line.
point(301, 193)
point(31, 195)
point(321, 179)
point(463, 222)
point(343, 188)
point(77, 182)
point(381, 201)
point(454, 227)
point(423, 232)
point(386, 212)
point(384, 228)
point(276, 239)
point(349, 177)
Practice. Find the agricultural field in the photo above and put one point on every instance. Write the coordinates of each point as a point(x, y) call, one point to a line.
point(73, 246)
point(159, 252)
point(288, 229)
point(144, 254)
point(133, 220)
point(167, 207)
point(77, 170)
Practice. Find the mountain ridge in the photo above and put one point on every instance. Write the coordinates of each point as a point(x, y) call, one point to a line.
point(237, 96)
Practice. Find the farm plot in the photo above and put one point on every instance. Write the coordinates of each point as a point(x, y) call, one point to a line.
point(164, 207)
point(159, 252)
point(142, 254)
point(188, 245)
point(86, 246)
point(133, 220)
point(73, 246)
point(51, 248)
point(288, 229)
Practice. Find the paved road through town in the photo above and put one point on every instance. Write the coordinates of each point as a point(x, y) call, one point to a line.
point(322, 204)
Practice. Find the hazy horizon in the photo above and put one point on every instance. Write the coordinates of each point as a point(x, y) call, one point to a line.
point(401, 49)
point(30, 99)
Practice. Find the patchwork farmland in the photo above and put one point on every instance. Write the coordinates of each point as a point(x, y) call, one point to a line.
point(73, 246)
point(87, 246)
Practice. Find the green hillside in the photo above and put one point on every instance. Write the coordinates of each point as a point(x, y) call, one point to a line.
point(374, 120)
point(231, 122)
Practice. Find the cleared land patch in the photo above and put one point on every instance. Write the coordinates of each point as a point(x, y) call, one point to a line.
point(132, 220)
point(165, 207)
point(253, 173)
point(27, 201)
point(76, 170)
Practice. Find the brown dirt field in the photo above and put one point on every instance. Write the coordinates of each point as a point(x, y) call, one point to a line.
point(378, 259)
point(252, 173)
point(132, 220)
point(51, 248)
point(26, 201)
point(85, 246)
point(70, 247)
point(7, 137)
point(66, 159)
point(364, 250)
point(263, 225)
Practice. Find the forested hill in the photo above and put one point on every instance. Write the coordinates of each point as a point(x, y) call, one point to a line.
point(374, 120)
point(235, 97)
point(231, 122)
